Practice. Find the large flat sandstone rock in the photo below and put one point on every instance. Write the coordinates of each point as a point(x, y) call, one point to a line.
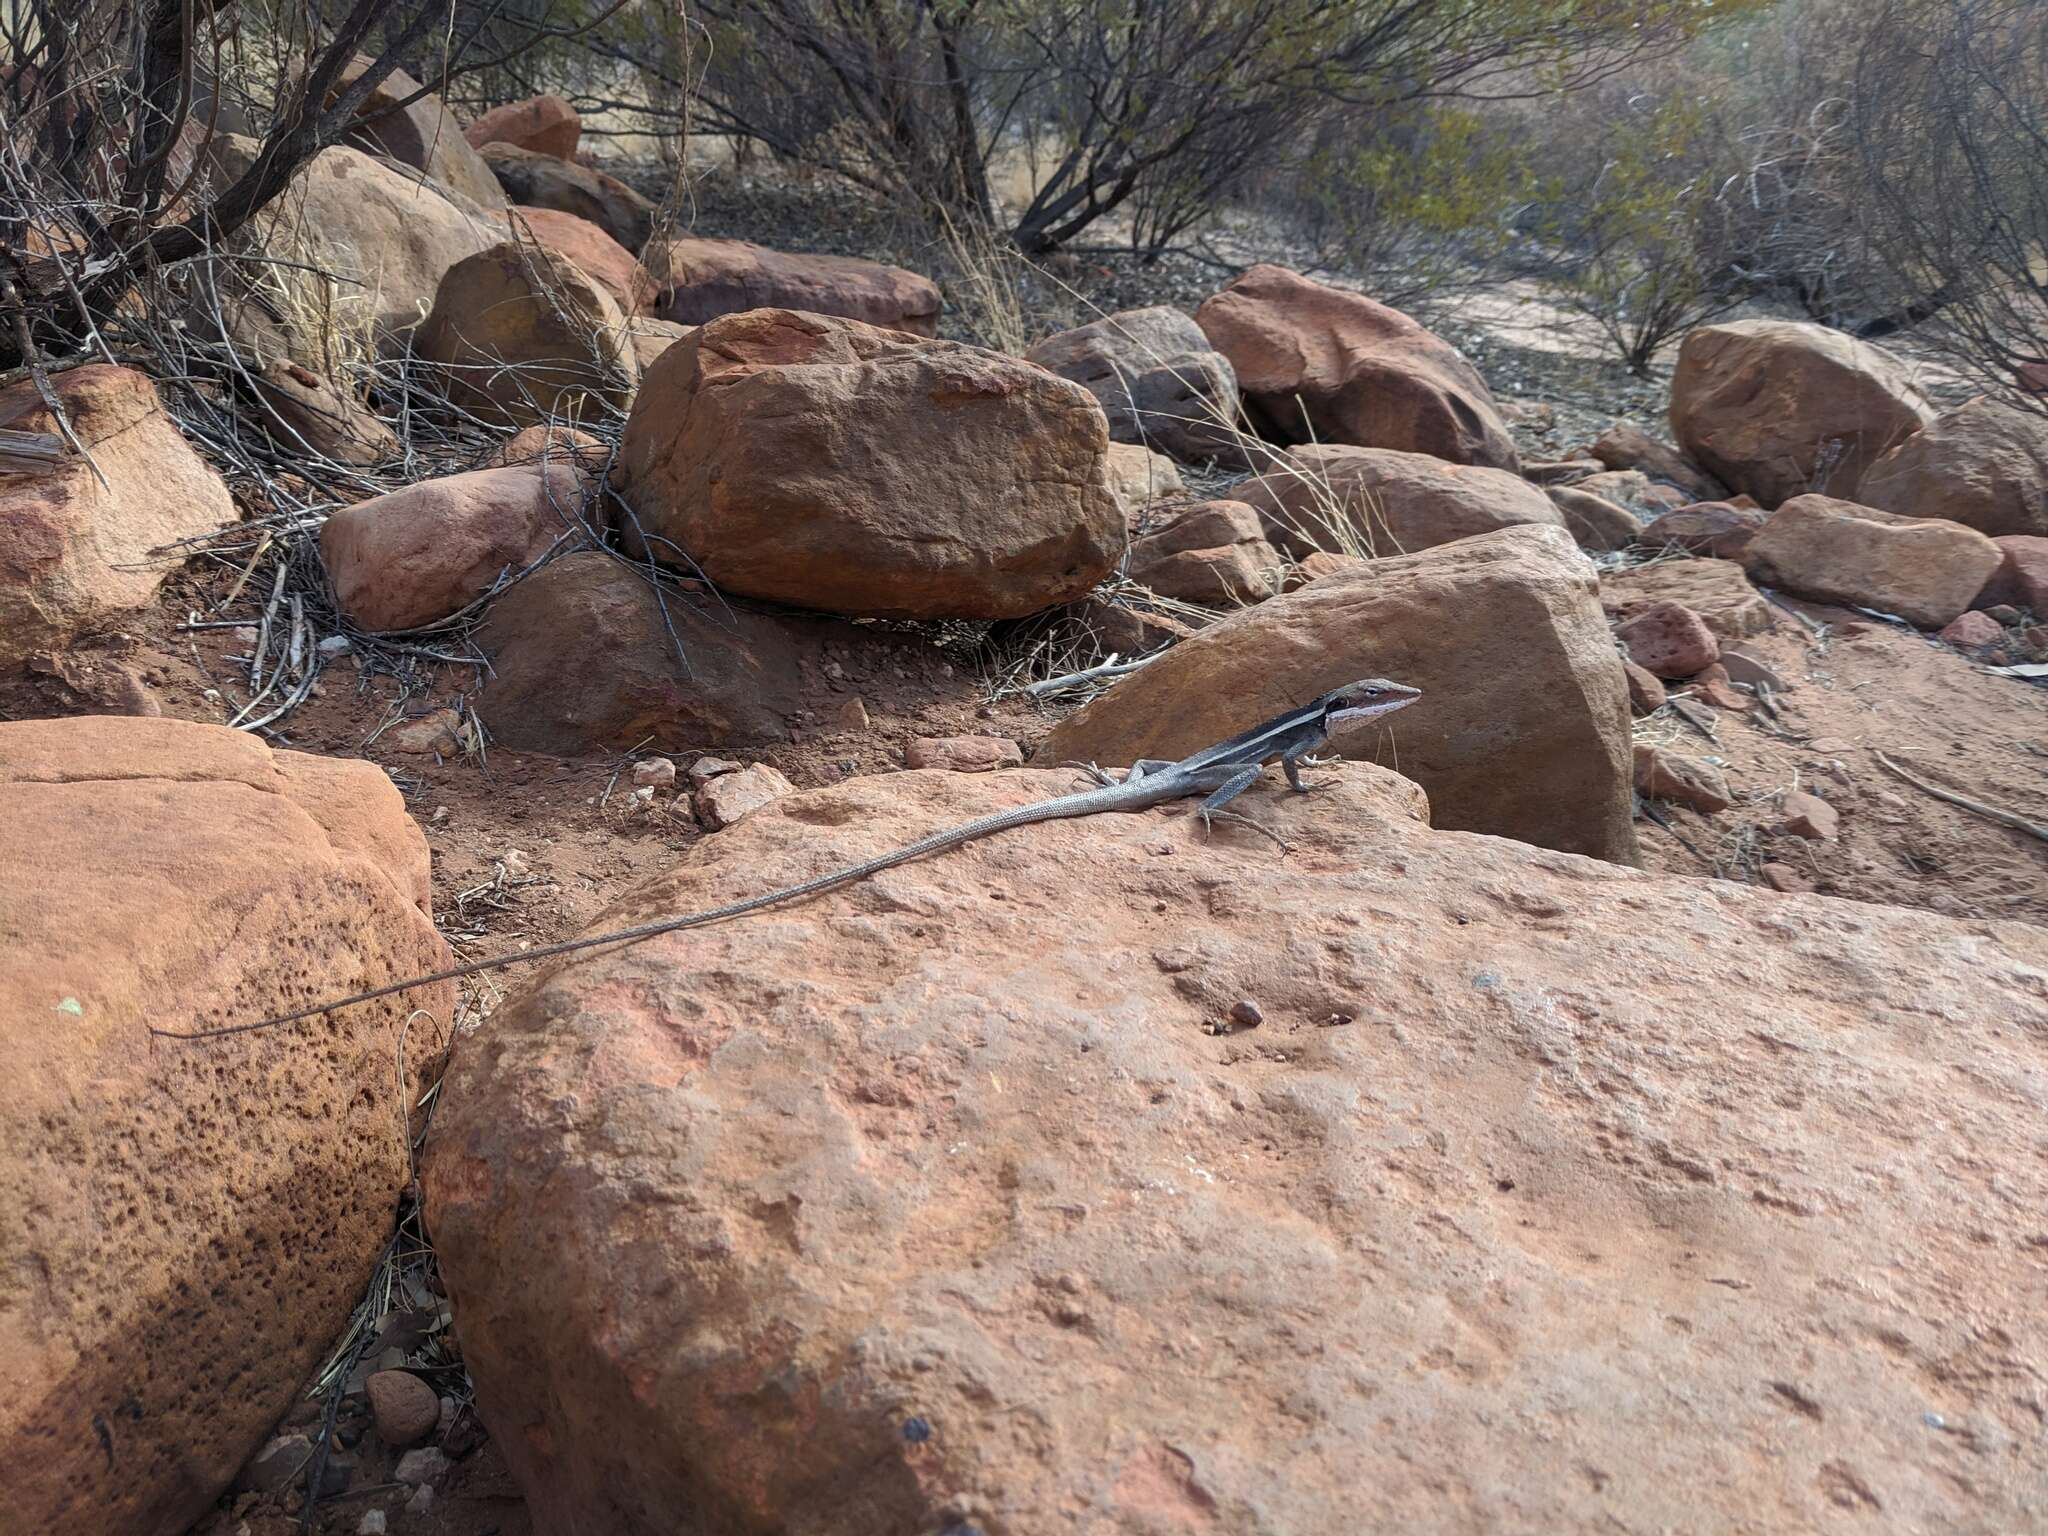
point(1522, 730)
point(1545, 1196)
point(185, 1226)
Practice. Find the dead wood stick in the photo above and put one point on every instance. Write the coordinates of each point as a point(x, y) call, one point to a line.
point(1991, 812)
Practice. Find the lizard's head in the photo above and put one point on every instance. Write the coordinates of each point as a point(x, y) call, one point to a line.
point(1366, 700)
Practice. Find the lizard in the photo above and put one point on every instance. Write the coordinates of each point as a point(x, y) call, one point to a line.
point(1221, 773)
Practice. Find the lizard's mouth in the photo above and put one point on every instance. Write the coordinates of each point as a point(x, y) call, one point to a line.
point(1370, 704)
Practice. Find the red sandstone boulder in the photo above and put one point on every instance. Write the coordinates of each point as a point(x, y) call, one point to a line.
point(1214, 553)
point(422, 134)
point(1623, 446)
point(535, 180)
point(703, 279)
point(547, 125)
point(2021, 577)
point(1320, 365)
point(592, 252)
point(1928, 571)
point(1983, 464)
point(1331, 497)
point(1157, 379)
point(1669, 640)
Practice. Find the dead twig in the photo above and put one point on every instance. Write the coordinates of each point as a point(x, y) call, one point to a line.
point(2003, 817)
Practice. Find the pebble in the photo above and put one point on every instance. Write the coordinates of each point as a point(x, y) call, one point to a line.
point(425, 1465)
point(732, 797)
point(1783, 877)
point(406, 1409)
point(1809, 816)
point(335, 645)
point(705, 769)
point(372, 1524)
point(853, 715)
point(421, 1504)
point(654, 773)
point(1246, 1012)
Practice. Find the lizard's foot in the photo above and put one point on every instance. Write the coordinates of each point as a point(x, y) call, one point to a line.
point(1209, 817)
point(1092, 773)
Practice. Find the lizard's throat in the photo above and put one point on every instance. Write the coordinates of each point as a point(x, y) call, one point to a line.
point(1339, 718)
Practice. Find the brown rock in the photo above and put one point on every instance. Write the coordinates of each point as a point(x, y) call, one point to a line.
point(1717, 590)
point(781, 1222)
point(1973, 632)
point(1156, 378)
point(2022, 575)
point(1624, 487)
point(1388, 502)
point(1319, 563)
point(435, 734)
point(962, 754)
point(833, 465)
point(187, 1226)
point(1320, 365)
point(418, 555)
point(1551, 472)
point(1925, 570)
point(700, 280)
point(1126, 630)
point(553, 443)
point(1783, 877)
point(1138, 478)
point(1983, 464)
point(1534, 664)
point(386, 238)
point(1779, 407)
point(1213, 553)
point(591, 251)
point(406, 1410)
point(581, 659)
point(654, 773)
point(1809, 816)
point(546, 125)
point(1668, 639)
point(732, 797)
point(1715, 528)
point(1665, 775)
point(1742, 667)
point(310, 415)
point(422, 134)
point(75, 551)
point(535, 180)
point(1645, 690)
point(649, 338)
point(1713, 684)
point(1595, 522)
point(524, 336)
point(1622, 446)
point(705, 769)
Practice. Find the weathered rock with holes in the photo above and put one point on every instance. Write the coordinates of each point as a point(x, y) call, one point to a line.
point(1157, 379)
point(1983, 464)
point(1534, 665)
point(1717, 590)
point(700, 280)
point(837, 466)
point(1623, 446)
point(422, 133)
point(1928, 571)
point(523, 336)
point(1320, 365)
point(536, 180)
point(591, 251)
point(76, 549)
point(1669, 640)
point(790, 1225)
point(1780, 407)
point(547, 125)
point(1380, 500)
point(421, 554)
point(1214, 553)
point(582, 658)
point(185, 1226)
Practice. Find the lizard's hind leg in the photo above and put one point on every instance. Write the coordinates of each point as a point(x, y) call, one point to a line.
point(1211, 810)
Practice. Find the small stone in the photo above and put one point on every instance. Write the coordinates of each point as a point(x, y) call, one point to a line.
point(853, 715)
point(705, 769)
point(731, 797)
point(1783, 877)
point(2002, 614)
point(654, 773)
point(515, 862)
point(1974, 631)
point(421, 1504)
point(373, 1523)
point(334, 645)
point(2034, 641)
point(963, 754)
point(1667, 776)
point(245, 634)
point(1713, 686)
point(1669, 640)
point(1745, 668)
point(425, 1465)
point(1246, 1012)
point(277, 1466)
point(436, 733)
point(1809, 816)
point(405, 1408)
point(1645, 691)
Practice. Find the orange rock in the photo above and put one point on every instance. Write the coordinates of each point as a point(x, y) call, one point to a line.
point(2022, 575)
point(1595, 522)
point(1623, 446)
point(422, 133)
point(592, 252)
point(76, 550)
point(1317, 497)
point(1928, 571)
point(1809, 816)
point(1215, 553)
point(703, 279)
point(1717, 590)
point(732, 797)
point(534, 180)
point(1663, 775)
point(1320, 365)
point(187, 1225)
point(1717, 528)
point(1668, 639)
point(547, 125)
point(922, 1160)
point(1500, 632)
point(1778, 407)
point(962, 754)
point(1157, 379)
point(837, 466)
point(1983, 464)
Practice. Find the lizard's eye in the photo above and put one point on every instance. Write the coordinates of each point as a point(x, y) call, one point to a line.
point(1370, 693)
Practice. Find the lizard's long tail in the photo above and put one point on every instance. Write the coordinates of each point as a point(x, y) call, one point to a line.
point(1083, 803)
